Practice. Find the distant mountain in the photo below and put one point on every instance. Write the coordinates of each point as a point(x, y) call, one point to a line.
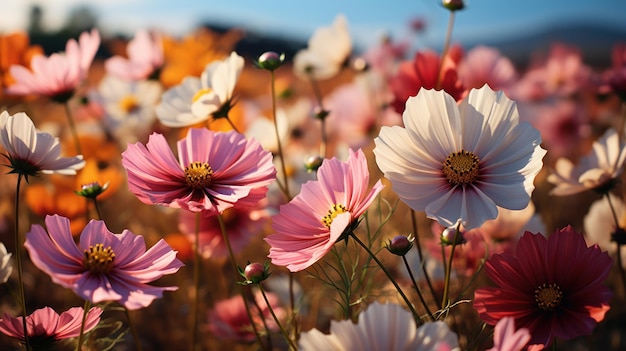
point(594, 40)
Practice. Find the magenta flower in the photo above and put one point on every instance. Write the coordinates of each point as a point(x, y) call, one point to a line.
point(215, 171)
point(58, 75)
point(310, 224)
point(45, 327)
point(553, 287)
point(104, 266)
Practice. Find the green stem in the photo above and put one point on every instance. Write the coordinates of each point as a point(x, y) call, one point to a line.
point(446, 46)
point(446, 284)
point(70, 120)
point(18, 258)
point(318, 96)
point(416, 316)
point(97, 207)
point(285, 186)
point(133, 331)
point(418, 246)
point(280, 326)
point(196, 283)
point(416, 287)
point(81, 335)
point(267, 329)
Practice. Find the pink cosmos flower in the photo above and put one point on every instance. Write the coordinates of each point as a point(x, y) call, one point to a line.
point(145, 55)
point(31, 152)
point(310, 224)
point(422, 72)
point(484, 65)
point(241, 225)
point(229, 320)
point(553, 287)
point(58, 75)
point(104, 266)
point(215, 171)
point(563, 127)
point(506, 338)
point(45, 327)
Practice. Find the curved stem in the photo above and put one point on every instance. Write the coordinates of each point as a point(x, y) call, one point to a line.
point(18, 258)
point(70, 120)
point(318, 96)
point(416, 316)
point(280, 326)
point(97, 207)
point(232, 125)
point(418, 245)
point(81, 335)
point(416, 287)
point(446, 46)
point(267, 329)
point(285, 186)
point(446, 284)
point(133, 331)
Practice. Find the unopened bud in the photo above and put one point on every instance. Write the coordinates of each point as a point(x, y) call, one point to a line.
point(449, 236)
point(400, 245)
point(312, 163)
point(92, 190)
point(270, 60)
point(453, 5)
point(255, 273)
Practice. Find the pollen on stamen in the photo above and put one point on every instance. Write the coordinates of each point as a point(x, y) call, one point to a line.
point(99, 259)
point(461, 168)
point(335, 210)
point(198, 175)
point(548, 296)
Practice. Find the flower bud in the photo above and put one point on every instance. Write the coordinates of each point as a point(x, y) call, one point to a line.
point(92, 190)
point(255, 273)
point(449, 236)
point(312, 163)
point(270, 60)
point(400, 245)
point(453, 5)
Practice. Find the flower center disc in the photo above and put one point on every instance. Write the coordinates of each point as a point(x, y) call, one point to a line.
point(332, 213)
point(548, 297)
point(129, 103)
point(461, 168)
point(198, 175)
point(99, 259)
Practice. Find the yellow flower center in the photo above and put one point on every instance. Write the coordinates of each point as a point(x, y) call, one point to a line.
point(99, 259)
point(548, 296)
point(129, 103)
point(201, 92)
point(332, 213)
point(198, 175)
point(461, 168)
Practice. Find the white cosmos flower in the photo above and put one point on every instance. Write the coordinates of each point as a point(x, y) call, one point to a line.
point(128, 106)
point(194, 101)
point(600, 224)
point(598, 170)
point(459, 162)
point(381, 327)
point(327, 50)
point(30, 152)
point(5, 264)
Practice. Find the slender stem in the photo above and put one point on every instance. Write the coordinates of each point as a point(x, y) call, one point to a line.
point(292, 306)
point(70, 120)
point(231, 255)
point(324, 144)
point(267, 329)
point(446, 284)
point(416, 287)
point(285, 186)
point(196, 283)
point(393, 281)
point(97, 207)
point(81, 335)
point(133, 331)
point(418, 245)
point(620, 266)
point(446, 46)
point(18, 257)
point(232, 125)
point(292, 344)
point(318, 96)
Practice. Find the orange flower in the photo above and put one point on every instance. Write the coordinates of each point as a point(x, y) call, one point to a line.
point(15, 49)
point(189, 56)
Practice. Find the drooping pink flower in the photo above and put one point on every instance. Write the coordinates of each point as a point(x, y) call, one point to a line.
point(59, 74)
point(103, 266)
point(553, 287)
point(422, 72)
point(145, 55)
point(241, 225)
point(45, 327)
point(310, 224)
point(229, 320)
point(215, 171)
point(506, 338)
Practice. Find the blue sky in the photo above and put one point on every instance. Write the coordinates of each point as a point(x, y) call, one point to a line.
point(482, 19)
